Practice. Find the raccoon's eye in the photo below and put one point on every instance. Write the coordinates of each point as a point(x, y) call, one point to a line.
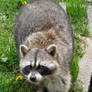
point(27, 69)
point(44, 70)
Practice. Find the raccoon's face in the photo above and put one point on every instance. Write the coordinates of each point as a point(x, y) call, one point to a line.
point(36, 64)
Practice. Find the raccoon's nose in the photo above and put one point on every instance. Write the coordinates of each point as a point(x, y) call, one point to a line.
point(33, 78)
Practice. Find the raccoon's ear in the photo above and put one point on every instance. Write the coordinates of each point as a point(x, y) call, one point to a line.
point(23, 50)
point(52, 49)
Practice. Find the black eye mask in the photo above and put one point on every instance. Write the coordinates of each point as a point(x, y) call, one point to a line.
point(27, 69)
point(44, 70)
point(41, 69)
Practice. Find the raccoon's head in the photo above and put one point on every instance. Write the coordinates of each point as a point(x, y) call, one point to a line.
point(38, 64)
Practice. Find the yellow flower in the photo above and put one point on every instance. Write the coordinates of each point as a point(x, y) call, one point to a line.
point(24, 2)
point(19, 77)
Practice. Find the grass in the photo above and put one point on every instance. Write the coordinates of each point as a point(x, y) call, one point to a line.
point(77, 11)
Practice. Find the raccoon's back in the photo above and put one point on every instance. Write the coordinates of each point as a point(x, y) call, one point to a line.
point(41, 15)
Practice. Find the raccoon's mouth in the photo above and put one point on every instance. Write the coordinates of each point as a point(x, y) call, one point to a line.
point(34, 83)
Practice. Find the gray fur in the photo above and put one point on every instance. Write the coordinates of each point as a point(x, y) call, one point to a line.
point(43, 26)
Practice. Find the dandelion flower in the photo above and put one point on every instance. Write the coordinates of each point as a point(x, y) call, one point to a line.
point(24, 2)
point(19, 77)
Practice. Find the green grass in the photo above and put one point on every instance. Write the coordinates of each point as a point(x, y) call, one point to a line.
point(8, 55)
point(77, 11)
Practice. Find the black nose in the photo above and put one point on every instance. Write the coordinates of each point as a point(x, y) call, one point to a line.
point(33, 78)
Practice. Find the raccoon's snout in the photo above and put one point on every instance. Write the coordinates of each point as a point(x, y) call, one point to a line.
point(33, 78)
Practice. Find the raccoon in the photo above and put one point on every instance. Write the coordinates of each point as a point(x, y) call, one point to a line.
point(44, 41)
